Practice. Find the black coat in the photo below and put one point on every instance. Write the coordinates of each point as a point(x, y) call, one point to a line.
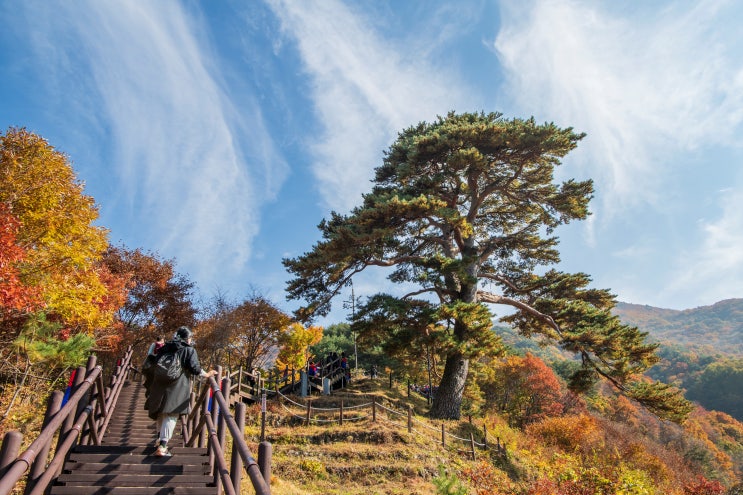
point(173, 398)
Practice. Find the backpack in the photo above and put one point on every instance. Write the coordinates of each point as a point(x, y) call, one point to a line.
point(168, 368)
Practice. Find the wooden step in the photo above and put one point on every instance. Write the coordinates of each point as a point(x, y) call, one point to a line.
point(127, 490)
point(135, 480)
point(114, 458)
point(135, 450)
point(155, 468)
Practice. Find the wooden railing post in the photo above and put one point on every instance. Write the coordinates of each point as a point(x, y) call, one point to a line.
point(9, 451)
point(374, 409)
point(70, 419)
point(214, 414)
point(263, 417)
point(91, 363)
point(204, 411)
point(472, 444)
point(221, 433)
point(54, 403)
point(410, 418)
point(443, 435)
point(240, 384)
point(265, 454)
point(236, 464)
point(309, 411)
point(341, 418)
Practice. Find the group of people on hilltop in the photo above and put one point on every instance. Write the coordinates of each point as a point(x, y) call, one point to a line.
point(166, 401)
point(331, 363)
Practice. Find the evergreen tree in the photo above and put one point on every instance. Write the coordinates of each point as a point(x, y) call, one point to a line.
point(465, 209)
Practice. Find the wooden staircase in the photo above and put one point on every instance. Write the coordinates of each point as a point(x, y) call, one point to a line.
point(124, 465)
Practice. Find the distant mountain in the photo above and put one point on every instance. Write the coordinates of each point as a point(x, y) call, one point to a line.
point(717, 328)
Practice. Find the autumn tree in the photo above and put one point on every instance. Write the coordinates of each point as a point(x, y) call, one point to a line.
point(17, 299)
point(56, 230)
point(525, 389)
point(248, 332)
point(295, 343)
point(158, 299)
point(463, 212)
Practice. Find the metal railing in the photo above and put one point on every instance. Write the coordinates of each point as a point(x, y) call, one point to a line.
point(82, 419)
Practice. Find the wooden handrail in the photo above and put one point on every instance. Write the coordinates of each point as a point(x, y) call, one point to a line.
point(91, 404)
point(260, 485)
point(224, 473)
point(23, 461)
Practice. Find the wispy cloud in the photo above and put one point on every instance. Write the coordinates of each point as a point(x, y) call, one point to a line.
point(714, 272)
point(189, 188)
point(645, 84)
point(658, 88)
point(365, 89)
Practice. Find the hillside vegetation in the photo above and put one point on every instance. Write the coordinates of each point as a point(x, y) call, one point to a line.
point(607, 447)
point(717, 328)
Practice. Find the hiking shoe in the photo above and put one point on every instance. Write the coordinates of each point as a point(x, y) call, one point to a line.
point(162, 452)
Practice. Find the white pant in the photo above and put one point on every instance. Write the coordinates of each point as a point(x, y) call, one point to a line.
point(166, 426)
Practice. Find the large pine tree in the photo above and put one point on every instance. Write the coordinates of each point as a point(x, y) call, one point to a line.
point(464, 209)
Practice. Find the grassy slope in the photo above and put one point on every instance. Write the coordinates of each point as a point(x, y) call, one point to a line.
point(359, 457)
point(383, 458)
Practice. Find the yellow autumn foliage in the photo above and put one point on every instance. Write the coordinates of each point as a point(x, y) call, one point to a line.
point(40, 189)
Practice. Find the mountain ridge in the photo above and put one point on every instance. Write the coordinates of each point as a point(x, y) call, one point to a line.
point(718, 326)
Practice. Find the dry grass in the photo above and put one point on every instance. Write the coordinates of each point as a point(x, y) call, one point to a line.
point(359, 457)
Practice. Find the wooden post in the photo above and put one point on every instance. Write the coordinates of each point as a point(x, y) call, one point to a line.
point(408, 388)
point(472, 443)
point(236, 463)
point(341, 420)
point(263, 417)
point(221, 435)
point(410, 418)
point(204, 410)
point(54, 404)
point(443, 436)
point(9, 451)
point(265, 453)
point(374, 409)
point(309, 413)
point(70, 419)
point(240, 383)
point(91, 364)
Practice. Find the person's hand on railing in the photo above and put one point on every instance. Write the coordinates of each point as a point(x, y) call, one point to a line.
point(205, 375)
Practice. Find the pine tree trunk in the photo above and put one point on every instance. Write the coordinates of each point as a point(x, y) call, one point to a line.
point(447, 402)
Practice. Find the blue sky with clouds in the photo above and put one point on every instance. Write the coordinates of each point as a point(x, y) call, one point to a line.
point(221, 133)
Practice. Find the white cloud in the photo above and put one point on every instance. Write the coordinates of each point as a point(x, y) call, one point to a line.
point(188, 187)
point(644, 84)
point(365, 90)
point(714, 271)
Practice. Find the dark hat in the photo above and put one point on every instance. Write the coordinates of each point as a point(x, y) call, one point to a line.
point(183, 333)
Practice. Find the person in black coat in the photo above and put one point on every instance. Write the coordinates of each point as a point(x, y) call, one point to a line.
point(165, 402)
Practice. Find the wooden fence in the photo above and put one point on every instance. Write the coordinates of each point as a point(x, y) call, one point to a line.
point(374, 411)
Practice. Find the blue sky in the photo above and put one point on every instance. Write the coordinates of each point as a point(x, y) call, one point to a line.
point(221, 133)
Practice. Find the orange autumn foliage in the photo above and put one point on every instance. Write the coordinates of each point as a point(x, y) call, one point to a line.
point(15, 295)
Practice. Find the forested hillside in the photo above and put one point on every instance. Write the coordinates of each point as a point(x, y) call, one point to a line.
point(717, 328)
point(701, 350)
